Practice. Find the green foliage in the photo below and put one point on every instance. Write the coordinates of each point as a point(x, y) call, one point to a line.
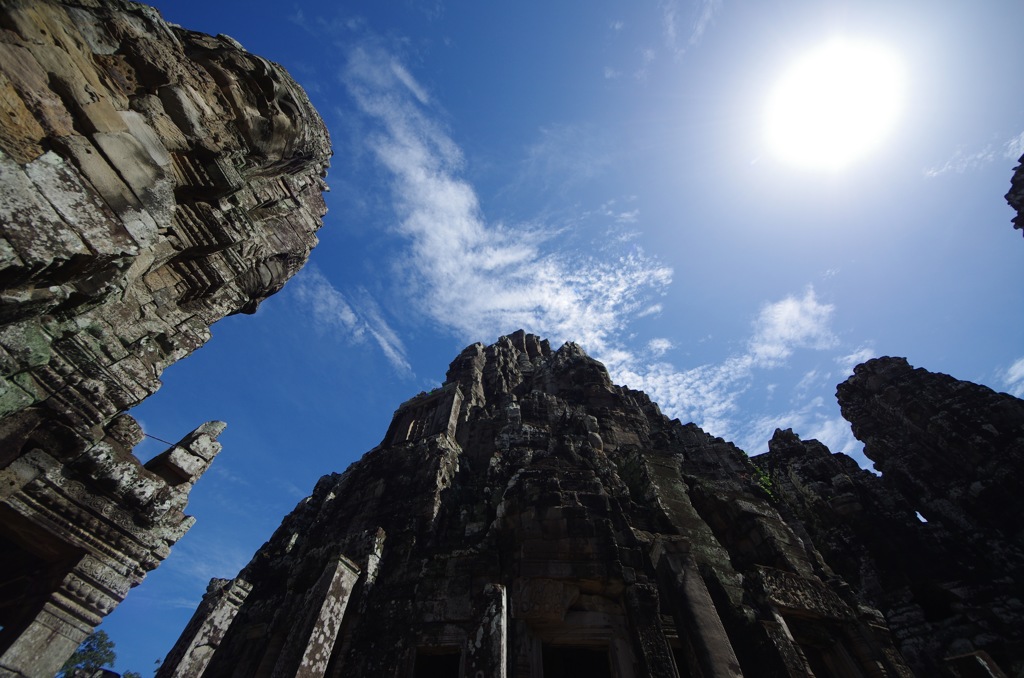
point(763, 480)
point(95, 652)
point(131, 674)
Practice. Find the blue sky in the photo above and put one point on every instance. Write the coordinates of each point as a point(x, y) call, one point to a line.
point(597, 172)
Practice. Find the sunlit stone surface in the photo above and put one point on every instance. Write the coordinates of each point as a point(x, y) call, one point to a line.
point(154, 180)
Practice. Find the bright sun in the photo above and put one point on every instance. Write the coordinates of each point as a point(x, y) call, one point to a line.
point(835, 104)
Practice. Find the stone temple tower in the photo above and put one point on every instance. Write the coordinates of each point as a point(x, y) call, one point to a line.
point(530, 518)
point(153, 180)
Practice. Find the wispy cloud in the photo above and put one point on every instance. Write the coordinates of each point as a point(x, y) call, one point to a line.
point(707, 10)
point(702, 17)
point(321, 26)
point(659, 346)
point(709, 394)
point(328, 307)
point(647, 57)
point(477, 278)
point(788, 324)
point(811, 420)
point(848, 362)
point(611, 210)
point(196, 560)
point(1013, 378)
point(963, 160)
point(1014, 148)
point(331, 312)
point(669, 23)
point(566, 155)
point(406, 79)
point(382, 333)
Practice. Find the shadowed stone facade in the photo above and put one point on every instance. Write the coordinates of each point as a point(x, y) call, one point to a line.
point(1015, 197)
point(530, 518)
point(950, 582)
point(154, 181)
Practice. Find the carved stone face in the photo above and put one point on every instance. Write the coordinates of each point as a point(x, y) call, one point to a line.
point(270, 110)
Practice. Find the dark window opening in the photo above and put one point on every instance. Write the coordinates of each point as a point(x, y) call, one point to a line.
point(32, 567)
point(576, 662)
point(824, 648)
point(817, 661)
point(437, 663)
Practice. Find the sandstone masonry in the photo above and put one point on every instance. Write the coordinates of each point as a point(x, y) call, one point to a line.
point(154, 180)
point(530, 518)
point(935, 542)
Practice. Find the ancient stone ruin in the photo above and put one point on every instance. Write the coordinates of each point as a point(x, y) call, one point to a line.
point(154, 181)
point(935, 542)
point(530, 518)
point(527, 518)
point(1015, 197)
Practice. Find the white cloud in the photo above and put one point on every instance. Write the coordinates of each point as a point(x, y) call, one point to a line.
point(1014, 148)
point(703, 14)
point(963, 161)
point(479, 279)
point(616, 26)
point(629, 217)
point(476, 278)
point(197, 559)
point(1013, 379)
point(659, 346)
point(406, 79)
point(385, 337)
point(647, 56)
point(808, 381)
point(848, 362)
point(668, 22)
point(653, 309)
point(788, 324)
point(565, 155)
point(619, 216)
point(708, 395)
point(837, 435)
point(706, 13)
point(611, 73)
point(332, 313)
point(811, 421)
point(329, 308)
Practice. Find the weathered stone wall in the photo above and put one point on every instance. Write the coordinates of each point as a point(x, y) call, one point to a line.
point(154, 181)
point(948, 583)
point(1016, 195)
point(562, 526)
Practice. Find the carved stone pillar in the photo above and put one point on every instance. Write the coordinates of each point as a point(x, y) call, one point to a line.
point(696, 617)
point(84, 596)
point(487, 648)
point(310, 644)
point(648, 635)
point(194, 649)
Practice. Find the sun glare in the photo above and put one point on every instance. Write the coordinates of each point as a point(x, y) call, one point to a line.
point(835, 105)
